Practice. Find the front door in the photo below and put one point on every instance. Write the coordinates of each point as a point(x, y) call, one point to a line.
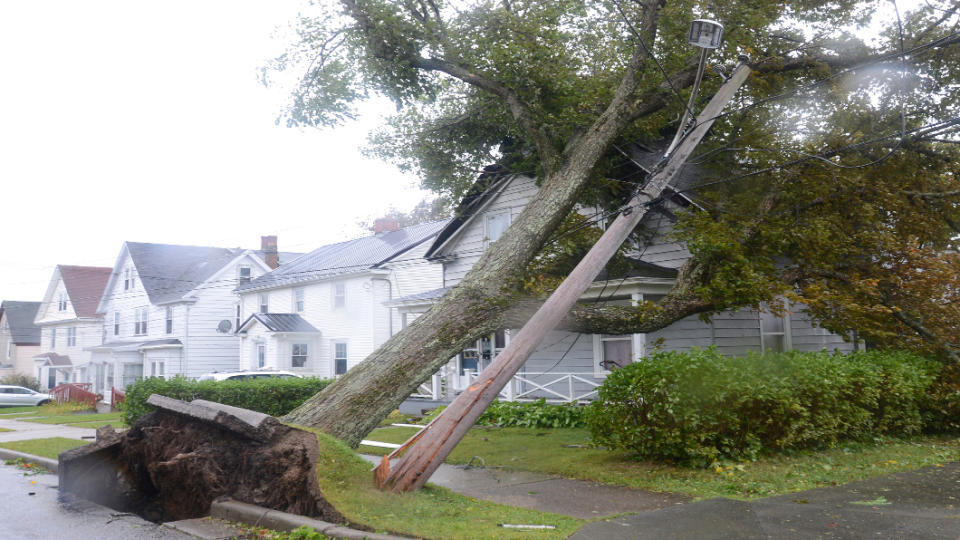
point(51, 378)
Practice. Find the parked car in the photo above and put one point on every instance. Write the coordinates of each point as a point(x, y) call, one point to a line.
point(245, 375)
point(18, 396)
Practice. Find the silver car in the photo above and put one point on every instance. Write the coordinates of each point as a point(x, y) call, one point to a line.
point(16, 396)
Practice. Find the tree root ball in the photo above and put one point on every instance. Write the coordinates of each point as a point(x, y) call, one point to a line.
point(169, 466)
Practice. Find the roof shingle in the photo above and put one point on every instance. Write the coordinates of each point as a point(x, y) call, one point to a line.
point(20, 316)
point(85, 286)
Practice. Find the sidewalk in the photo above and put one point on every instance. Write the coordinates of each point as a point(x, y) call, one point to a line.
point(31, 430)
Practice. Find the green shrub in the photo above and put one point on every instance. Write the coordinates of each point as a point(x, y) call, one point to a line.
point(536, 414)
point(699, 406)
point(273, 396)
point(941, 412)
point(25, 381)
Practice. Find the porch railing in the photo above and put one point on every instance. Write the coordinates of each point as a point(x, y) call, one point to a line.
point(116, 396)
point(432, 389)
point(74, 392)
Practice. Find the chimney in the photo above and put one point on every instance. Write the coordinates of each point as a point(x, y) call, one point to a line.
point(269, 246)
point(385, 224)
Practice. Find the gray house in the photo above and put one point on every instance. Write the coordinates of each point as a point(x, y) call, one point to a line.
point(19, 337)
point(569, 366)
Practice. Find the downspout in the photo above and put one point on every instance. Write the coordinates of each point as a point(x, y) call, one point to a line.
point(390, 298)
point(184, 358)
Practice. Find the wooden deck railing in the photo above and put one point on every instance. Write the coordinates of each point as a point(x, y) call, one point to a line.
point(116, 396)
point(74, 393)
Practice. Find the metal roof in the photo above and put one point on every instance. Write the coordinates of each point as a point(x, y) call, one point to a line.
point(348, 257)
point(424, 297)
point(20, 316)
point(54, 359)
point(281, 322)
point(130, 346)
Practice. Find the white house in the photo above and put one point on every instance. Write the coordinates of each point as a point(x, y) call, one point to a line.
point(170, 310)
point(326, 311)
point(69, 323)
point(569, 366)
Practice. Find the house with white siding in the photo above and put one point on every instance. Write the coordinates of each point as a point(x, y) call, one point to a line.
point(328, 310)
point(19, 337)
point(569, 366)
point(170, 310)
point(69, 323)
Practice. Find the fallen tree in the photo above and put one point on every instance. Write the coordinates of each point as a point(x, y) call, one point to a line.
point(554, 88)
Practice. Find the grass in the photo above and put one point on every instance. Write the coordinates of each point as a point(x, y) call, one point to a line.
point(48, 448)
point(565, 452)
point(11, 410)
point(346, 481)
point(3, 429)
point(117, 424)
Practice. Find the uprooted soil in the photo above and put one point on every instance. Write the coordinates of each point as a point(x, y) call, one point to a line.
point(168, 467)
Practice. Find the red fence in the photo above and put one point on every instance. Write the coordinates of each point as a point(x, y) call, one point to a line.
point(75, 393)
point(116, 397)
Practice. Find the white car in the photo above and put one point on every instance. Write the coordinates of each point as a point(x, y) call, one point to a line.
point(17, 396)
point(248, 375)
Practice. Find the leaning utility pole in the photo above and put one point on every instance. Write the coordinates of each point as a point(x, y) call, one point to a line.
point(427, 450)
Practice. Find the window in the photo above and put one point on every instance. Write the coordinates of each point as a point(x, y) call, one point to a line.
point(126, 279)
point(237, 321)
point(169, 327)
point(339, 295)
point(339, 357)
point(62, 302)
point(53, 338)
point(264, 303)
point(72, 336)
point(261, 354)
point(159, 369)
point(615, 351)
point(140, 322)
point(494, 226)
point(9, 349)
point(298, 297)
point(243, 275)
point(774, 334)
point(298, 357)
point(116, 323)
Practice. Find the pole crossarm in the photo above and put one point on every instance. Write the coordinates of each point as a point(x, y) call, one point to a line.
point(420, 456)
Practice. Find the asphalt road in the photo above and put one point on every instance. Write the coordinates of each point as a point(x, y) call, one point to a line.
point(30, 508)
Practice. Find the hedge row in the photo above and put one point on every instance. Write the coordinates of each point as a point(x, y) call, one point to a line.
point(273, 396)
point(699, 406)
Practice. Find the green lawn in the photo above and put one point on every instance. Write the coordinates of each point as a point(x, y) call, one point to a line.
point(564, 452)
point(346, 481)
point(118, 424)
point(48, 448)
point(3, 429)
point(11, 410)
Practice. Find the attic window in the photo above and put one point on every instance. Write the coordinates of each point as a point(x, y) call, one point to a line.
point(494, 226)
point(126, 279)
point(243, 275)
point(62, 302)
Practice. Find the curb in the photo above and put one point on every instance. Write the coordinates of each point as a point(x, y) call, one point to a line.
point(259, 516)
point(46, 463)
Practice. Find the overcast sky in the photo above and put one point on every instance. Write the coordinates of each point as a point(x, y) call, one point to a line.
point(144, 121)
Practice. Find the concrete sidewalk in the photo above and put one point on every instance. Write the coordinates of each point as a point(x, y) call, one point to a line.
point(576, 498)
point(913, 504)
point(31, 430)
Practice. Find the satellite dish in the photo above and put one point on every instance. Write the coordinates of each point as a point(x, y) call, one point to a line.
point(225, 326)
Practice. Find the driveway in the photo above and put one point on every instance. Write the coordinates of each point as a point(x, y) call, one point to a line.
point(31, 430)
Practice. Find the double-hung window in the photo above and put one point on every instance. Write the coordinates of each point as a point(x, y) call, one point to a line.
point(261, 355)
point(339, 357)
point(72, 336)
point(299, 355)
point(264, 303)
point(62, 302)
point(126, 279)
point(243, 275)
point(339, 295)
point(169, 320)
point(774, 332)
point(299, 296)
point(116, 323)
point(237, 320)
point(53, 338)
point(140, 322)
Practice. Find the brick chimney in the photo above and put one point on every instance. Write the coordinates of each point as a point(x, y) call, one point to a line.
point(269, 246)
point(385, 224)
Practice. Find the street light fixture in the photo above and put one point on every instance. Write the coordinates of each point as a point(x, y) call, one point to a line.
point(706, 34)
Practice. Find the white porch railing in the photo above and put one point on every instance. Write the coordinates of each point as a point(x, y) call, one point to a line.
point(551, 386)
point(432, 389)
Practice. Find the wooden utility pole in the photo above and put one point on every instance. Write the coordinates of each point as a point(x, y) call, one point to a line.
point(427, 450)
